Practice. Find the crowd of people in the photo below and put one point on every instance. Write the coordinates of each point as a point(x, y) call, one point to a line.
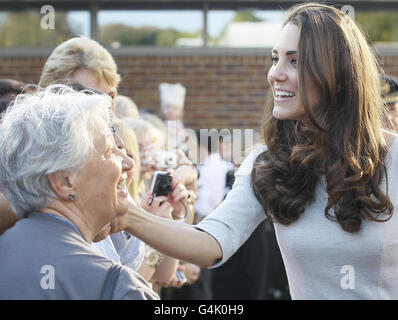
point(108, 198)
point(81, 71)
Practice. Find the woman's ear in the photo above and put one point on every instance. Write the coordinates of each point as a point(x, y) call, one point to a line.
point(60, 184)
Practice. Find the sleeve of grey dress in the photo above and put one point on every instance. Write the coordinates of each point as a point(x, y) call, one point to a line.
point(234, 220)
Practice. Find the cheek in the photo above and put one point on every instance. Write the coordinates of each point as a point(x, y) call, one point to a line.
point(113, 171)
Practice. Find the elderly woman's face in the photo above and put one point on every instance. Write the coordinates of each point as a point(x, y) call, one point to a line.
point(101, 183)
point(283, 78)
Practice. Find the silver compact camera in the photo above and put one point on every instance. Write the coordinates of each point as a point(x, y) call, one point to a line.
point(166, 159)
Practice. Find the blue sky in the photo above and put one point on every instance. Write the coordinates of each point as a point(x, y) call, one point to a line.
point(189, 21)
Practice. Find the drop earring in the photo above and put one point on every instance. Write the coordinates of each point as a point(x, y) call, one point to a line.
point(71, 197)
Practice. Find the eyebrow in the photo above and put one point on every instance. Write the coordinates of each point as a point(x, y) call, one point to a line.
point(288, 53)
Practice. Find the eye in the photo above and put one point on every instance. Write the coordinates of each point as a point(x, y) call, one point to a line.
point(274, 60)
point(293, 61)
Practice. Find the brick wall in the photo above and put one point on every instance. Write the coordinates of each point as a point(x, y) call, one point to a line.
point(223, 90)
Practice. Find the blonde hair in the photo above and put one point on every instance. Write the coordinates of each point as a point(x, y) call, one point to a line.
point(157, 123)
point(142, 128)
point(130, 141)
point(125, 107)
point(78, 53)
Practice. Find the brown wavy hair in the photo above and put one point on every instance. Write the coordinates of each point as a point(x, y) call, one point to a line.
point(343, 139)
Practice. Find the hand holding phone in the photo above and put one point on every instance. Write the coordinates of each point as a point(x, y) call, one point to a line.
point(161, 185)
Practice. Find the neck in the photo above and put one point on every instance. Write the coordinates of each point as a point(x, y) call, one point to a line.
point(72, 214)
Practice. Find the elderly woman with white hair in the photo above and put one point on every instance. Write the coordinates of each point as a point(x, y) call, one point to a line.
point(62, 173)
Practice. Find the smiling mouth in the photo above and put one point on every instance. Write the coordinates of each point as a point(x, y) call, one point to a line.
point(121, 185)
point(284, 95)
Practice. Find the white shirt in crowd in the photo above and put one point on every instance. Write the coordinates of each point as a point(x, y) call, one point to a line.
point(211, 183)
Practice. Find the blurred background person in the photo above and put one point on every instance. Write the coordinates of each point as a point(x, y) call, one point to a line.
point(9, 89)
point(172, 101)
point(85, 61)
point(212, 175)
point(63, 174)
point(150, 142)
point(156, 121)
point(211, 190)
point(125, 107)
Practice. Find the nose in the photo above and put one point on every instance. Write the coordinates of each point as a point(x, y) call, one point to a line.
point(127, 162)
point(277, 73)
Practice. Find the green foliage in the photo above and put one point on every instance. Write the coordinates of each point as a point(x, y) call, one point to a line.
point(144, 36)
point(245, 16)
point(23, 29)
point(240, 16)
point(166, 37)
point(127, 35)
point(379, 26)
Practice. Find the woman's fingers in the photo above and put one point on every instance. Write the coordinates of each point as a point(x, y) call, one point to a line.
point(157, 201)
point(179, 193)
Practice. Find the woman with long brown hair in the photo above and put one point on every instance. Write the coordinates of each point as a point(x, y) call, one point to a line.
point(324, 175)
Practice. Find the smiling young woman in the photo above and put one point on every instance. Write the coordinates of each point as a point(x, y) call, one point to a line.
point(331, 86)
point(325, 174)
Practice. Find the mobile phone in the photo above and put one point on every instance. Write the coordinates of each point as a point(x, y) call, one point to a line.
point(181, 276)
point(161, 185)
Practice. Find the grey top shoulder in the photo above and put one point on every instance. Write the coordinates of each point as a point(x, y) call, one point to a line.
point(45, 258)
point(322, 260)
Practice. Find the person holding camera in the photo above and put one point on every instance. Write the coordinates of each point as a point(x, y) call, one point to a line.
point(162, 195)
